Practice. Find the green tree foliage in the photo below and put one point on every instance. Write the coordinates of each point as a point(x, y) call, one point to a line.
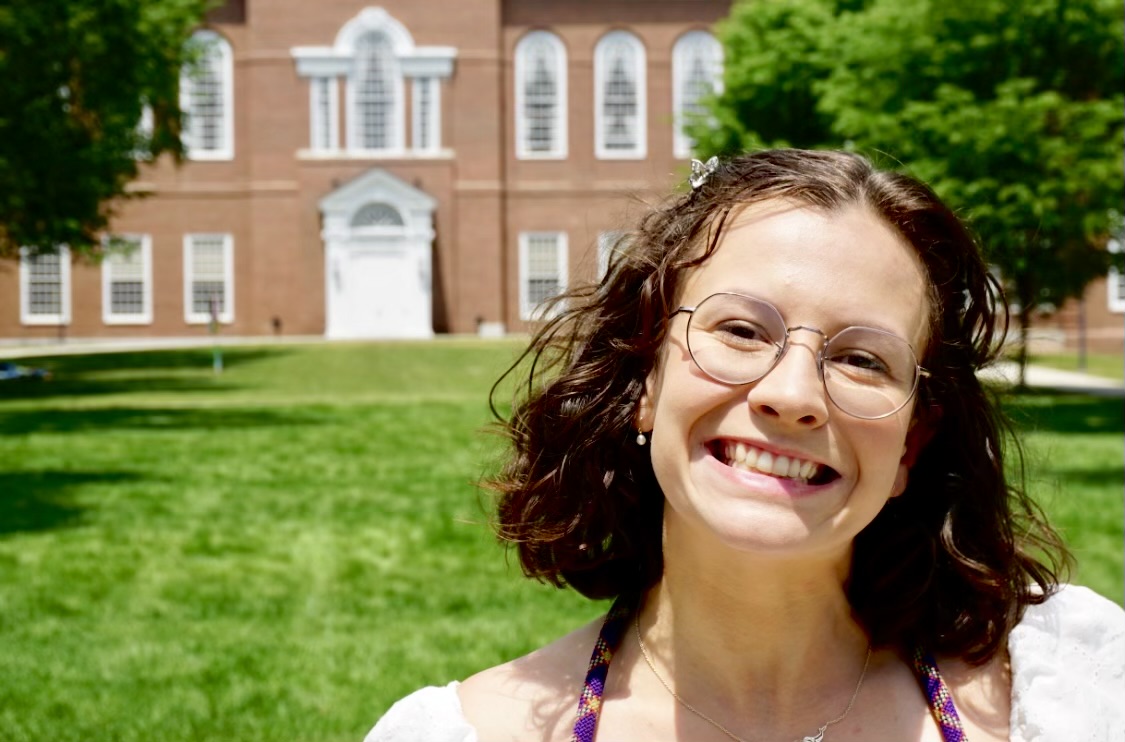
point(1011, 110)
point(75, 76)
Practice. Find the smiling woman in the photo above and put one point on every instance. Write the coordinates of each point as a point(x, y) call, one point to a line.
point(763, 436)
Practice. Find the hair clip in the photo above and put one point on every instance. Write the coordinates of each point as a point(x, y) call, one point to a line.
point(701, 171)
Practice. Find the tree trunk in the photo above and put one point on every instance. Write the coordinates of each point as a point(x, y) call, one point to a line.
point(1026, 296)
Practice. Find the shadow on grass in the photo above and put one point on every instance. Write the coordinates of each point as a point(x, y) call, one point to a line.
point(1063, 413)
point(144, 418)
point(1101, 477)
point(43, 500)
point(100, 374)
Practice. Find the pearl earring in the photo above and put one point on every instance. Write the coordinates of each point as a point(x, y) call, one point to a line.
point(641, 439)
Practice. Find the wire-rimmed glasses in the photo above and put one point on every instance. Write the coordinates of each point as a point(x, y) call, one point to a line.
point(867, 372)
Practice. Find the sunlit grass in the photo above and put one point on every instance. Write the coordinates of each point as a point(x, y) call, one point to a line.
point(1107, 365)
point(279, 552)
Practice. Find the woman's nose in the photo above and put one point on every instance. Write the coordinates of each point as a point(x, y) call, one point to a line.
point(792, 392)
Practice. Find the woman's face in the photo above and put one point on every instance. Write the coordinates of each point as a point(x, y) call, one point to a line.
point(823, 270)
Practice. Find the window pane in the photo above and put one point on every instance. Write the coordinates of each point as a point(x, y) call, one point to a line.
point(377, 215)
point(125, 267)
point(620, 103)
point(209, 280)
point(44, 285)
point(205, 96)
point(127, 297)
point(425, 114)
point(322, 113)
point(541, 100)
point(375, 92)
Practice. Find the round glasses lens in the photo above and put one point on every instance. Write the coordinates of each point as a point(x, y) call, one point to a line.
point(869, 373)
point(735, 339)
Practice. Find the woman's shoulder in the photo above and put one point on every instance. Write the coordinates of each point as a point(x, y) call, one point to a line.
point(533, 697)
point(431, 714)
point(1068, 668)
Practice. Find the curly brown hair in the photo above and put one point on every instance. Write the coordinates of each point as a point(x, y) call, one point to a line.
point(949, 565)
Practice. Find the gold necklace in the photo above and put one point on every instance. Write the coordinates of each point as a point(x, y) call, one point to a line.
point(817, 737)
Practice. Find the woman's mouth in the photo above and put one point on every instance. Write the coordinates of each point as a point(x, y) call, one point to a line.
point(744, 457)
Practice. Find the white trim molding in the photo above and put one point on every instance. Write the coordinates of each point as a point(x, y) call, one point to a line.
point(1115, 284)
point(373, 43)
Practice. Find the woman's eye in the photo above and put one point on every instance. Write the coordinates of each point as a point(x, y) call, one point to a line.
point(741, 332)
point(858, 360)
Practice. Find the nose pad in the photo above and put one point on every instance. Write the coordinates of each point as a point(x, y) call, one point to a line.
point(793, 390)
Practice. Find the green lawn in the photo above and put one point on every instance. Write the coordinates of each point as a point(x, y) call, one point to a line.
point(279, 552)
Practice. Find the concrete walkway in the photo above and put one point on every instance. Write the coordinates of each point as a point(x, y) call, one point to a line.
point(1042, 377)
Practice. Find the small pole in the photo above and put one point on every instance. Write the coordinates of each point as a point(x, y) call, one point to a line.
point(213, 328)
point(1082, 333)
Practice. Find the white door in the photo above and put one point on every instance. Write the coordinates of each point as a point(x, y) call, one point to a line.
point(376, 291)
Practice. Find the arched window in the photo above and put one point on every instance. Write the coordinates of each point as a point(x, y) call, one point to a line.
point(376, 214)
point(207, 98)
point(540, 66)
point(376, 56)
point(376, 95)
point(697, 72)
point(620, 129)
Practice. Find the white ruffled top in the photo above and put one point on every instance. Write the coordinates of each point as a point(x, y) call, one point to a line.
point(1068, 680)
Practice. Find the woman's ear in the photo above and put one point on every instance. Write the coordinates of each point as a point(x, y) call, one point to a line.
point(644, 415)
point(922, 430)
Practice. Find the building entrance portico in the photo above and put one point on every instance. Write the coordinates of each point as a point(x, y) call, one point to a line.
point(378, 245)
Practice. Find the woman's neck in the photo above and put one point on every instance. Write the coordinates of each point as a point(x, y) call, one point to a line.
point(766, 636)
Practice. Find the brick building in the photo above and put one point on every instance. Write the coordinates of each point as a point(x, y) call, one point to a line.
point(387, 171)
point(396, 170)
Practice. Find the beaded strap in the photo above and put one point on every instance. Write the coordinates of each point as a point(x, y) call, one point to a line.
point(609, 639)
point(617, 622)
point(941, 700)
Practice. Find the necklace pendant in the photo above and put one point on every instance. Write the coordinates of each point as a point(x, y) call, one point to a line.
point(818, 737)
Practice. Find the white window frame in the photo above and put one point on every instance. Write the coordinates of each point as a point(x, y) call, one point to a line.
point(143, 248)
point(227, 315)
point(639, 150)
point(528, 312)
point(524, 60)
point(428, 140)
point(324, 132)
point(684, 54)
point(63, 316)
point(1115, 284)
point(396, 138)
point(226, 80)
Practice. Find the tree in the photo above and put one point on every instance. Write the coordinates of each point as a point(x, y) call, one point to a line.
point(76, 78)
point(1011, 111)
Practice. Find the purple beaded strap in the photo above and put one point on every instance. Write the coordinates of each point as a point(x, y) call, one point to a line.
point(941, 700)
point(617, 622)
point(609, 639)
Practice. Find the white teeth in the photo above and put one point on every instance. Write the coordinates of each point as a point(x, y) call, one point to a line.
point(748, 458)
point(780, 466)
point(751, 457)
